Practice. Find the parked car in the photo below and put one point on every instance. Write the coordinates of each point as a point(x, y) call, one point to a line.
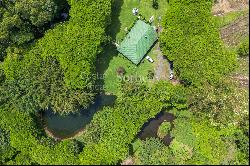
point(149, 59)
point(171, 76)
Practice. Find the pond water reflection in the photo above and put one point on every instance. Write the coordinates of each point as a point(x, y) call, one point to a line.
point(62, 127)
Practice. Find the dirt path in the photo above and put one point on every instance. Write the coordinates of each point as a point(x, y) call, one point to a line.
point(128, 161)
point(241, 76)
point(233, 33)
point(225, 6)
point(242, 80)
point(161, 69)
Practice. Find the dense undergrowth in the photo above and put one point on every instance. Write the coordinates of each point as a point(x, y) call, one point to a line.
point(211, 125)
point(59, 70)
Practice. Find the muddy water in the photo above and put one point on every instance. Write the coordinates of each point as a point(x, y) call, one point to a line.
point(150, 128)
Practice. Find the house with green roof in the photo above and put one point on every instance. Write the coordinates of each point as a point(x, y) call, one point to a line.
point(138, 42)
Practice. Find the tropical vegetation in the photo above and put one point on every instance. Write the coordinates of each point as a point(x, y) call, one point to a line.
point(52, 62)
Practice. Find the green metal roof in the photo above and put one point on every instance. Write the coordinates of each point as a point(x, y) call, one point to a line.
point(138, 41)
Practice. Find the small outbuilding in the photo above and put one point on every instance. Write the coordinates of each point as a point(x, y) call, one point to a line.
point(138, 42)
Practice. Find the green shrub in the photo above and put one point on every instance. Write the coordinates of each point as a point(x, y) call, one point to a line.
point(21, 159)
point(6, 151)
point(163, 130)
point(243, 48)
point(181, 152)
point(155, 4)
point(151, 152)
point(150, 74)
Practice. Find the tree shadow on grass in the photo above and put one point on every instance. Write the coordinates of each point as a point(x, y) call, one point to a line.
point(114, 28)
point(109, 51)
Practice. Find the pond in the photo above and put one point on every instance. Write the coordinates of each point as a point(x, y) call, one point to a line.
point(150, 128)
point(62, 127)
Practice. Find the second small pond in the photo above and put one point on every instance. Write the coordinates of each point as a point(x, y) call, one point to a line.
point(150, 128)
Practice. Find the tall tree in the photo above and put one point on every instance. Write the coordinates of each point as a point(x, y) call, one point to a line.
point(22, 21)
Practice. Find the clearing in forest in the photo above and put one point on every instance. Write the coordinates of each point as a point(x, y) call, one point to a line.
point(110, 61)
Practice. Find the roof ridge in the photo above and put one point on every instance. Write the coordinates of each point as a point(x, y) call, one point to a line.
point(138, 41)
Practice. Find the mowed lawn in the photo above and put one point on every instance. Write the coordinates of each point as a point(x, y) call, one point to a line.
point(110, 59)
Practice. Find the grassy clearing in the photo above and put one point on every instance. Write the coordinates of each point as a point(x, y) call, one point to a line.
point(123, 10)
point(111, 79)
point(240, 78)
point(230, 17)
point(110, 59)
point(243, 68)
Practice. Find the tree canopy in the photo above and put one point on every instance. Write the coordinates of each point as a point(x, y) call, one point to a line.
point(23, 21)
point(61, 65)
point(191, 40)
